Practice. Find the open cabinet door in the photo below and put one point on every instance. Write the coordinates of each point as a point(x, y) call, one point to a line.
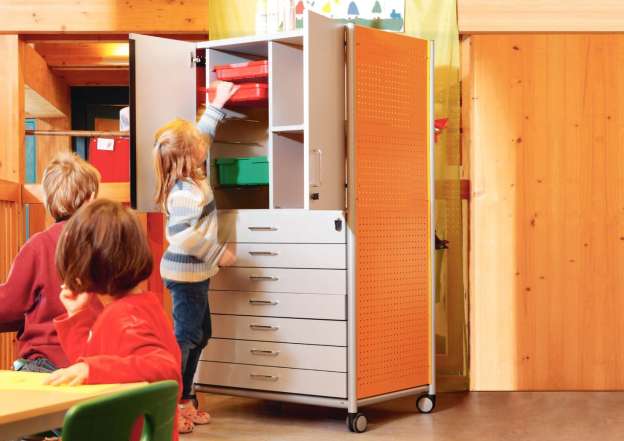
point(324, 112)
point(162, 87)
point(389, 113)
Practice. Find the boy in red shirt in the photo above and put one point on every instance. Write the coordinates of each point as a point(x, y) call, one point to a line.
point(103, 252)
point(29, 299)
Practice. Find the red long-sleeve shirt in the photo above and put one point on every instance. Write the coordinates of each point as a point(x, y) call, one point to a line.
point(29, 299)
point(130, 340)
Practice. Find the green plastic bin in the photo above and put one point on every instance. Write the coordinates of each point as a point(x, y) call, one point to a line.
point(243, 171)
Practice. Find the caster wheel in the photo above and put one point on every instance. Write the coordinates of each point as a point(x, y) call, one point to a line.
point(426, 403)
point(357, 422)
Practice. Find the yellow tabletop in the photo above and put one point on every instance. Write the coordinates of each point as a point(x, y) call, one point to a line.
point(25, 402)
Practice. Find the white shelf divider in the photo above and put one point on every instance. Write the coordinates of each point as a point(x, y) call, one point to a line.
point(295, 128)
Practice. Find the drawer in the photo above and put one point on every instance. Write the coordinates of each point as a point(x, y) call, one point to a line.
point(320, 358)
point(280, 255)
point(295, 381)
point(283, 226)
point(314, 332)
point(317, 306)
point(304, 281)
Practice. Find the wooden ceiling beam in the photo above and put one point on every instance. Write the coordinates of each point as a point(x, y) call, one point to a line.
point(95, 77)
point(104, 16)
point(84, 54)
point(103, 38)
point(480, 16)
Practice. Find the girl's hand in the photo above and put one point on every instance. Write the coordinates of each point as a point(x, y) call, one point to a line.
point(74, 303)
point(74, 375)
point(224, 92)
point(228, 258)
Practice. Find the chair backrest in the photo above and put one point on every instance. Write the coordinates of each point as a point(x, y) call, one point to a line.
point(113, 418)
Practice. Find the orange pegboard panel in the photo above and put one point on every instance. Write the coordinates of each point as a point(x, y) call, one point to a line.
point(392, 212)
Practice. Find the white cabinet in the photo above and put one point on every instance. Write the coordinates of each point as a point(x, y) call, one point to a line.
point(330, 301)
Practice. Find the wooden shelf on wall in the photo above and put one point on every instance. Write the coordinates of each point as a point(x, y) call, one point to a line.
point(115, 191)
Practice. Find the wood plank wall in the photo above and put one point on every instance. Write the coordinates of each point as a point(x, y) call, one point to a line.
point(9, 246)
point(105, 16)
point(540, 15)
point(546, 119)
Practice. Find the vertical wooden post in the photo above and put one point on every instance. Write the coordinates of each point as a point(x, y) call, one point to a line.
point(11, 109)
point(12, 158)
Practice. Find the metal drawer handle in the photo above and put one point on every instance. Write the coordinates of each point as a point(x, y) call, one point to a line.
point(264, 377)
point(263, 327)
point(263, 253)
point(263, 302)
point(264, 278)
point(264, 352)
point(262, 228)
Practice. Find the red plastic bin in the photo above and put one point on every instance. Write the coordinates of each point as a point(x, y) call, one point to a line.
point(248, 93)
point(251, 70)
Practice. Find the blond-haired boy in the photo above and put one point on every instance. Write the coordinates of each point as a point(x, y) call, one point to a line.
point(29, 299)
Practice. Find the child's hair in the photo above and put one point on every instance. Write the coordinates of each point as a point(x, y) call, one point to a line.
point(174, 156)
point(68, 182)
point(103, 249)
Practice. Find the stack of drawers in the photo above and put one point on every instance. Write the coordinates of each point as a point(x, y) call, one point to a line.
point(279, 316)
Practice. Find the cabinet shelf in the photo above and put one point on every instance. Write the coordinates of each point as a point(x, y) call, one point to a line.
point(295, 128)
point(241, 187)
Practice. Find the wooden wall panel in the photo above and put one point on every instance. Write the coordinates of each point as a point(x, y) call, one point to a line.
point(44, 82)
point(547, 214)
point(9, 246)
point(49, 146)
point(11, 108)
point(540, 15)
point(105, 16)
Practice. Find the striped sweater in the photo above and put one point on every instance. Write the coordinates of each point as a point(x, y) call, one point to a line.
point(192, 228)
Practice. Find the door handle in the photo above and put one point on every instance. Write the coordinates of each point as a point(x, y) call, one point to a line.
point(318, 182)
point(264, 377)
point(262, 253)
point(263, 278)
point(263, 327)
point(262, 228)
point(264, 352)
point(263, 302)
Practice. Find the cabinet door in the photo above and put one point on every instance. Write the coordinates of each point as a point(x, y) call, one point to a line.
point(324, 112)
point(390, 140)
point(162, 87)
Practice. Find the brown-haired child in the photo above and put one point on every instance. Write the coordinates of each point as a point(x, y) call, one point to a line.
point(104, 252)
point(29, 299)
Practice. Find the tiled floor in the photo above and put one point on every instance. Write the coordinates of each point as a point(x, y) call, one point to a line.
point(497, 416)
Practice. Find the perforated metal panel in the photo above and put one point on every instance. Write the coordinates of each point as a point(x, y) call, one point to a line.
point(392, 215)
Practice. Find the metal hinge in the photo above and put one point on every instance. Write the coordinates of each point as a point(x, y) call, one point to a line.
point(197, 60)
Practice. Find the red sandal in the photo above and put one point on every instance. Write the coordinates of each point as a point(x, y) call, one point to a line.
point(196, 416)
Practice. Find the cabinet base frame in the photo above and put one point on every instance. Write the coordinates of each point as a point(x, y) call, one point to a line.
point(340, 403)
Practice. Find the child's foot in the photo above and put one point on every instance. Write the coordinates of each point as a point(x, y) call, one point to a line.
point(188, 410)
point(185, 425)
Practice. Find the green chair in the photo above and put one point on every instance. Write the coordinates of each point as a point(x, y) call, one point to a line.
point(112, 418)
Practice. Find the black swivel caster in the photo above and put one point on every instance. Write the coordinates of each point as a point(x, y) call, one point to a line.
point(426, 403)
point(357, 422)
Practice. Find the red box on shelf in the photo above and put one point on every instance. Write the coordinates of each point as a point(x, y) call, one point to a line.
point(111, 157)
point(248, 93)
point(251, 70)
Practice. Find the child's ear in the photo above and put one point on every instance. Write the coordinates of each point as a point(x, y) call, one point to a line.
point(92, 197)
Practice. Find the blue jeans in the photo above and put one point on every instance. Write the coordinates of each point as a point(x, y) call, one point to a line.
point(193, 329)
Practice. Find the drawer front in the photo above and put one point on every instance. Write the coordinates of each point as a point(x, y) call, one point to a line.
point(274, 255)
point(285, 330)
point(316, 306)
point(320, 358)
point(304, 281)
point(283, 226)
point(296, 381)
